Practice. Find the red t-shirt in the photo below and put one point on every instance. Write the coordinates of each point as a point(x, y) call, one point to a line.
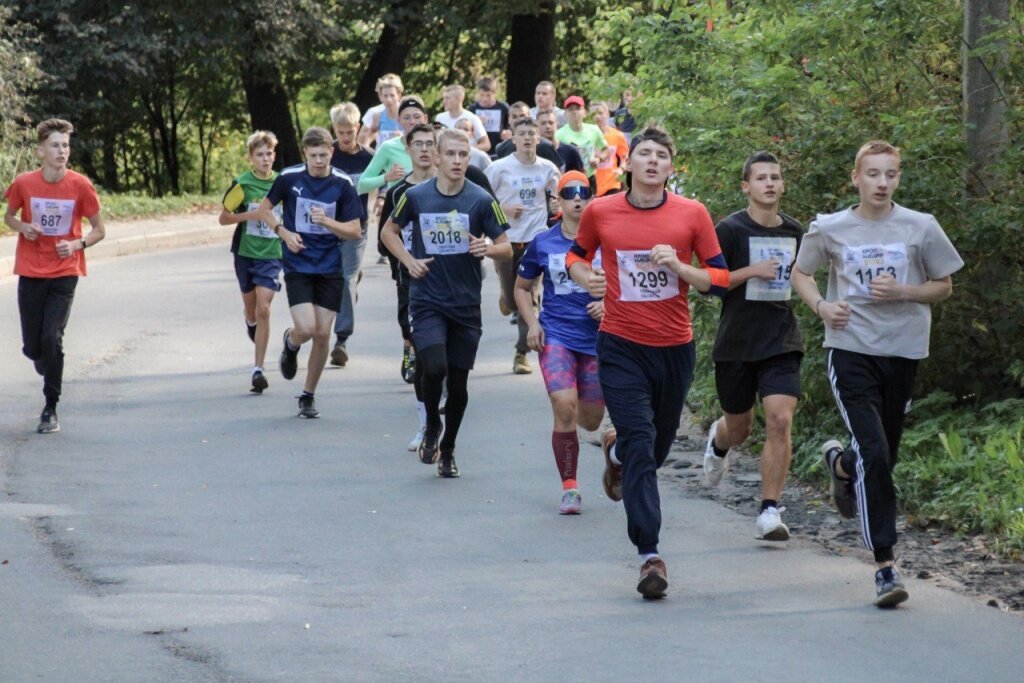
point(58, 209)
point(643, 303)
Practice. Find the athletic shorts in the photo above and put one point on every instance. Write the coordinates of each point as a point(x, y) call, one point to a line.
point(323, 290)
point(431, 327)
point(257, 272)
point(737, 382)
point(564, 368)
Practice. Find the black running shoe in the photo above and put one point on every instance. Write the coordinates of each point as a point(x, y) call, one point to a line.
point(259, 383)
point(446, 467)
point(409, 365)
point(428, 450)
point(251, 331)
point(307, 408)
point(48, 421)
point(889, 588)
point(843, 495)
point(339, 356)
point(289, 361)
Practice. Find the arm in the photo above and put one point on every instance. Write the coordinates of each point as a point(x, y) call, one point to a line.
point(374, 175)
point(97, 232)
point(836, 314)
point(523, 293)
point(392, 239)
point(346, 230)
point(30, 230)
point(885, 288)
point(483, 142)
point(499, 250)
point(764, 270)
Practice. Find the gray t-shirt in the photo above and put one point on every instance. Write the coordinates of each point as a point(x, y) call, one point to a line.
point(908, 245)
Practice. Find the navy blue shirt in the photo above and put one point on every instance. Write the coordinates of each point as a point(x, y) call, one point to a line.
point(440, 229)
point(353, 164)
point(300, 192)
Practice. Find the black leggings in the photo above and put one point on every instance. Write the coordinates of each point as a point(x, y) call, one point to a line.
point(45, 305)
point(431, 371)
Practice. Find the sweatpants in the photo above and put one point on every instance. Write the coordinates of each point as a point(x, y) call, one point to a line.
point(351, 264)
point(507, 272)
point(873, 395)
point(45, 306)
point(644, 388)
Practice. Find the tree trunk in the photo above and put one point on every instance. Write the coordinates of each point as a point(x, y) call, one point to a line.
point(531, 53)
point(393, 48)
point(269, 109)
point(985, 124)
point(110, 177)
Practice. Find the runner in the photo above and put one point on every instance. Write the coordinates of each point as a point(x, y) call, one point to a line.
point(645, 348)
point(450, 220)
point(50, 254)
point(522, 183)
point(378, 127)
point(493, 113)
point(256, 248)
point(544, 98)
point(391, 162)
point(624, 119)
point(545, 150)
point(569, 158)
point(887, 265)
point(321, 208)
point(585, 137)
point(453, 96)
point(350, 157)
point(758, 347)
point(565, 336)
point(609, 173)
point(477, 158)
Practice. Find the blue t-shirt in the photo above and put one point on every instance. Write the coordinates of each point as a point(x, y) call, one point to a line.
point(353, 165)
point(441, 226)
point(563, 315)
point(299, 192)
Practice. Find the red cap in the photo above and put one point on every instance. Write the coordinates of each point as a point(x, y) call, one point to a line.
point(574, 99)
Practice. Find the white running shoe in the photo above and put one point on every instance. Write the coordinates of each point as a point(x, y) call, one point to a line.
point(770, 526)
point(416, 440)
point(714, 467)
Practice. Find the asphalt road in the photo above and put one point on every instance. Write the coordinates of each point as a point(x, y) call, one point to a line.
point(179, 528)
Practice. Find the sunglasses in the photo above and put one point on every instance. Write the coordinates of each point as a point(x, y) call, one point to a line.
point(574, 191)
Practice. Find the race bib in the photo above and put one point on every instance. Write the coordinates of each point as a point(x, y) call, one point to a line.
point(641, 280)
point(782, 250)
point(406, 233)
point(259, 228)
point(559, 274)
point(528, 189)
point(304, 219)
point(491, 118)
point(445, 233)
point(53, 215)
point(863, 263)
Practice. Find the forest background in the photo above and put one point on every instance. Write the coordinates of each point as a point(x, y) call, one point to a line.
point(162, 95)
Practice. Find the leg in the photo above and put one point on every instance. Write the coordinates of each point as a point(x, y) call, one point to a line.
point(249, 307)
point(671, 380)
point(262, 297)
point(351, 261)
point(32, 294)
point(56, 312)
point(778, 448)
point(455, 406)
point(736, 386)
point(303, 324)
point(733, 429)
point(323, 320)
point(431, 370)
point(590, 410)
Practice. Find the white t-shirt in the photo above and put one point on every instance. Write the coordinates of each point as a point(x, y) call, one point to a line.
point(371, 114)
point(479, 158)
point(906, 244)
point(514, 182)
point(559, 115)
point(449, 121)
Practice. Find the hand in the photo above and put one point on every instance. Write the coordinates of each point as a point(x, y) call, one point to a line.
point(836, 314)
point(596, 283)
point(317, 215)
point(31, 231)
point(665, 255)
point(65, 248)
point(395, 173)
point(418, 268)
point(506, 134)
point(764, 270)
point(291, 240)
point(885, 288)
point(535, 337)
point(513, 211)
point(595, 309)
point(378, 203)
point(478, 246)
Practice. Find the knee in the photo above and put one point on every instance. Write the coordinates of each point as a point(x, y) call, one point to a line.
point(564, 411)
point(778, 424)
point(734, 431)
point(263, 311)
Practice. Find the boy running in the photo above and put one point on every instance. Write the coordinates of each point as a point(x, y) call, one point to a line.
point(449, 220)
point(758, 347)
point(50, 255)
point(256, 248)
point(491, 111)
point(585, 137)
point(321, 208)
point(452, 97)
point(886, 266)
point(645, 349)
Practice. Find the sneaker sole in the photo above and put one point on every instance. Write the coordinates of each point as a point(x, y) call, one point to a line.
point(259, 385)
point(777, 534)
point(569, 511)
point(892, 598)
point(421, 453)
point(339, 358)
point(287, 363)
point(48, 429)
point(652, 586)
point(306, 416)
point(449, 475)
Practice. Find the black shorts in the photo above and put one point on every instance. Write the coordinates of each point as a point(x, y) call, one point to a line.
point(323, 290)
point(738, 382)
point(430, 327)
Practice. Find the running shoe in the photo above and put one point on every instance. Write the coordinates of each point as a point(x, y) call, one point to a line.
point(446, 467)
point(339, 356)
point(653, 579)
point(427, 450)
point(259, 382)
point(409, 365)
point(307, 408)
point(571, 503)
point(843, 496)
point(521, 366)
point(503, 307)
point(770, 526)
point(414, 445)
point(251, 331)
point(289, 361)
point(612, 479)
point(48, 421)
point(714, 466)
point(889, 588)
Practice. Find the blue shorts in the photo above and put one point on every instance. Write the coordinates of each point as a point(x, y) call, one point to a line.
point(430, 327)
point(256, 272)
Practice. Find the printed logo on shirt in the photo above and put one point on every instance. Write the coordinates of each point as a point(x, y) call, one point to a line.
point(641, 280)
point(445, 234)
point(53, 215)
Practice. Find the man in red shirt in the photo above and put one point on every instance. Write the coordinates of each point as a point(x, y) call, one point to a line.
point(647, 237)
point(50, 256)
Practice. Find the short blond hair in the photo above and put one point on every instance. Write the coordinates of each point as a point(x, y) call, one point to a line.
point(455, 87)
point(261, 137)
point(390, 80)
point(452, 134)
point(875, 147)
point(345, 114)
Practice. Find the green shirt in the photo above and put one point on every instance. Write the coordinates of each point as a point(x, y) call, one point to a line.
point(588, 141)
point(390, 152)
point(256, 239)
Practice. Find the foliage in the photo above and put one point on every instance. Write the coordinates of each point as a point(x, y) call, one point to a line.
point(18, 69)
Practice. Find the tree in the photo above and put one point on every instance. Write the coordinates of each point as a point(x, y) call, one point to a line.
point(986, 127)
point(532, 51)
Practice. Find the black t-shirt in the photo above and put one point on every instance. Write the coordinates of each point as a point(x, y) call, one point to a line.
point(757, 317)
point(571, 159)
point(353, 164)
point(494, 118)
point(545, 150)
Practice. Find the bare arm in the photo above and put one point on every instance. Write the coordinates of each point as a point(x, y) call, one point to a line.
point(30, 230)
point(765, 270)
point(836, 314)
point(885, 288)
